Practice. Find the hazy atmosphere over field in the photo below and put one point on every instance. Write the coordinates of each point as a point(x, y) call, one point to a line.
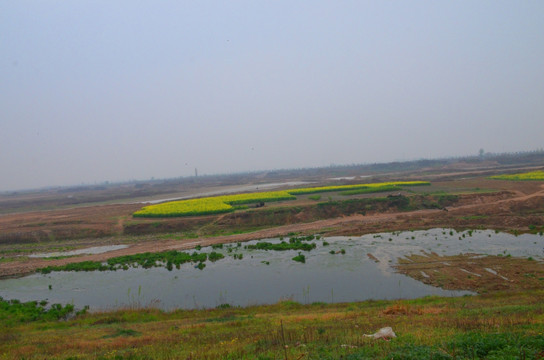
point(118, 90)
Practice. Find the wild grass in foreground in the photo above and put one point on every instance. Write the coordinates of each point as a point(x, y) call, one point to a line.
point(14, 311)
point(495, 326)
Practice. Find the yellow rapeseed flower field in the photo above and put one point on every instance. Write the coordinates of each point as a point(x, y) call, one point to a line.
point(314, 190)
point(533, 175)
point(190, 207)
point(209, 205)
point(226, 203)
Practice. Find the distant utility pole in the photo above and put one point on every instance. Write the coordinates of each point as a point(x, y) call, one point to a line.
point(196, 172)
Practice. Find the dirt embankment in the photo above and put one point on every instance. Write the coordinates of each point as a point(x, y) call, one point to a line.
point(76, 223)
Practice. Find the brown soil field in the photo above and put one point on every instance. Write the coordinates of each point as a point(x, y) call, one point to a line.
point(479, 203)
point(474, 272)
point(75, 223)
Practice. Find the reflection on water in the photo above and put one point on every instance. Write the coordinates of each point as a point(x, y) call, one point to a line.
point(324, 277)
point(91, 251)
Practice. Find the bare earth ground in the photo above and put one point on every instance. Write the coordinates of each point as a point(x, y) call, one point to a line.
point(474, 272)
point(513, 206)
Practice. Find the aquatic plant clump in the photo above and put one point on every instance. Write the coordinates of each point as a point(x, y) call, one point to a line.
point(282, 246)
point(167, 259)
point(300, 258)
point(304, 238)
point(533, 175)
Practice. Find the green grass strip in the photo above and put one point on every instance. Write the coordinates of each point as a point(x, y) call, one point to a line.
point(371, 190)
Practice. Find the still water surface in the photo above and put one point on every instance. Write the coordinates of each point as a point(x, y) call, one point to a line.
point(324, 277)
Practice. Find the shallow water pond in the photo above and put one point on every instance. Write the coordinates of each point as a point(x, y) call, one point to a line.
point(262, 277)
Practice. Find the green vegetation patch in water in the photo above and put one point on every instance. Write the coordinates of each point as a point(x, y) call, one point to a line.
point(146, 260)
point(300, 258)
point(282, 246)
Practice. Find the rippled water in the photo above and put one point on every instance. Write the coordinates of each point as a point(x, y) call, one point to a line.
point(324, 277)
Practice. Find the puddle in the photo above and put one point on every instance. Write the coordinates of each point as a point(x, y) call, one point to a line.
point(490, 271)
point(470, 272)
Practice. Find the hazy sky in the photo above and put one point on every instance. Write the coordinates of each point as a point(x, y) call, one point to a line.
point(118, 90)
